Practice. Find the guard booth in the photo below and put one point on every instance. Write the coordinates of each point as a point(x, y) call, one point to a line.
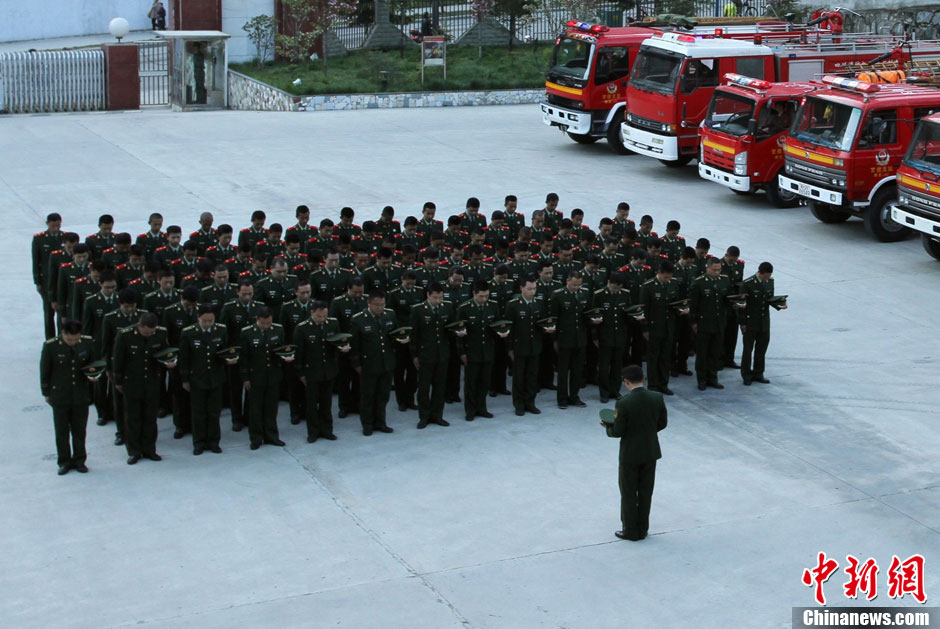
point(198, 69)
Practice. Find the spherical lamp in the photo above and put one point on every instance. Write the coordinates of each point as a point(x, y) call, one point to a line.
point(119, 28)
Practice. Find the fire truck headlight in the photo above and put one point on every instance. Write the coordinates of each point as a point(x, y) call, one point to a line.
point(789, 168)
point(629, 117)
point(903, 199)
point(838, 162)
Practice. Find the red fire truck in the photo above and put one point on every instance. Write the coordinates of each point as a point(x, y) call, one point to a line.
point(919, 185)
point(743, 135)
point(845, 146)
point(676, 74)
point(586, 86)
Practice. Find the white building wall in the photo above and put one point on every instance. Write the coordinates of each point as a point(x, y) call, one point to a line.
point(43, 19)
point(235, 13)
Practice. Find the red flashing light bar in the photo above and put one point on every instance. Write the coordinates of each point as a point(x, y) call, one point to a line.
point(746, 81)
point(587, 28)
point(850, 84)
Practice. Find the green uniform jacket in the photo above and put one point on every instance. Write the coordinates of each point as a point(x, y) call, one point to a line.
point(673, 247)
point(344, 308)
point(659, 316)
point(274, 293)
point(257, 363)
point(374, 277)
point(327, 285)
point(151, 242)
point(198, 363)
point(60, 375)
point(634, 278)
point(44, 244)
point(93, 312)
point(684, 276)
point(219, 254)
point(612, 332)
point(569, 307)
point(500, 294)
point(480, 341)
point(640, 415)
point(372, 349)
point(82, 289)
point(166, 256)
point(526, 336)
point(428, 276)
point(293, 313)
point(401, 301)
point(316, 357)
point(430, 341)
point(68, 273)
point(514, 221)
point(158, 301)
point(708, 303)
point(217, 296)
point(176, 319)
point(133, 365)
point(112, 323)
point(236, 315)
point(756, 312)
point(735, 273)
point(594, 281)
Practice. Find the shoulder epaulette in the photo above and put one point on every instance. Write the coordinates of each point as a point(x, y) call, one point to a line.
point(740, 261)
point(57, 251)
point(66, 265)
point(557, 290)
point(144, 235)
point(194, 234)
point(247, 327)
point(646, 267)
point(649, 281)
point(108, 250)
point(40, 234)
point(230, 260)
point(599, 291)
point(160, 248)
point(680, 237)
point(121, 266)
point(87, 337)
point(359, 314)
point(244, 274)
point(82, 280)
point(136, 280)
point(247, 229)
point(191, 276)
point(52, 340)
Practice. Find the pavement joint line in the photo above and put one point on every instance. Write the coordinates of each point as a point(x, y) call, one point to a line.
point(381, 543)
point(745, 427)
point(21, 198)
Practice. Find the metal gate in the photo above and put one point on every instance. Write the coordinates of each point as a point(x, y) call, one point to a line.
point(70, 80)
point(154, 73)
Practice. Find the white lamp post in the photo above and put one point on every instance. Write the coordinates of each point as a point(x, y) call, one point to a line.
point(119, 28)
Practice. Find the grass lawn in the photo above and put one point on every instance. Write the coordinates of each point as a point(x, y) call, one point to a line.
point(358, 72)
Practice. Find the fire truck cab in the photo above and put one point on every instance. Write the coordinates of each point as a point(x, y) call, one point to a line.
point(845, 147)
point(586, 86)
point(743, 135)
point(918, 204)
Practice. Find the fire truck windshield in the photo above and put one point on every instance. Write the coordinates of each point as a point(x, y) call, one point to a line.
point(924, 152)
point(656, 70)
point(729, 113)
point(572, 57)
point(826, 123)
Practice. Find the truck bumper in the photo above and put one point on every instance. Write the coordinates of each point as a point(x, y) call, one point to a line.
point(811, 192)
point(726, 179)
point(664, 147)
point(913, 221)
point(577, 122)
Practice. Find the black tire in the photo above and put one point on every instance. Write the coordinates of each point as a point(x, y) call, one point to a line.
point(826, 213)
point(779, 197)
point(931, 245)
point(679, 163)
point(614, 141)
point(878, 220)
point(582, 139)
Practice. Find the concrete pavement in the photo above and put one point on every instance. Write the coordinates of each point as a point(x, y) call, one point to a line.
point(506, 522)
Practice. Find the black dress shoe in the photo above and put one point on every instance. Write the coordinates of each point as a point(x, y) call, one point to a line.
point(402, 408)
point(604, 399)
point(132, 460)
point(469, 418)
point(716, 385)
point(412, 407)
point(422, 424)
point(486, 415)
point(683, 372)
point(64, 469)
point(119, 439)
point(622, 535)
point(643, 535)
point(178, 434)
point(385, 429)
point(550, 387)
point(275, 442)
point(311, 439)
point(762, 380)
point(296, 420)
point(162, 413)
point(702, 386)
point(237, 427)
point(81, 468)
point(101, 421)
point(577, 402)
point(367, 432)
point(533, 410)
point(618, 396)
point(343, 413)
point(153, 457)
point(197, 451)
point(562, 405)
point(520, 412)
point(747, 382)
point(505, 392)
point(255, 446)
point(493, 393)
point(329, 437)
point(666, 391)
point(732, 365)
point(440, 421)
point(215, 449)
point(674, 373)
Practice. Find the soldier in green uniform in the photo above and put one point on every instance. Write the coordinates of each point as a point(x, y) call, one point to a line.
point(186, 265)
point(235, 315)
point(153, 238)
point(544, 288)
point(636, 273)
point(732, 266)
point(239, 263)
point(57, 258)
point(331, 281)
point(702, 245)
point(220, 291)
point(103, 239)
point(44, 243)
point(400, 300)
point(343, 309)
point(67, 274)
point(477, 349)
point(673, 243)
point(276, 289)
point(611, 336)
point(432, 271)
point(170, 252)
point(373, 358)
point(430, 351)
point(754, 319)
point(272, 246)
point(126, 314)
point(304, 230)
point(660, 322)
point(427, 225)
point(525, 342)
point(471, 216)
point(684, 275)
point(257, 232)
point(387, 225)
point(203, 374)
point(708, 309)
point(569, 306)
point(456, 291)
point(293, 313)
point(261, 376)
point(501, 291)
point(317, 365)
point(132, 269)
point(175, 319)
point(205, 236)
point(222, 250)
point(119, 253)
point(346, 226)
point(620, 223)
point(85, 287)
point(514, 220)
point(383, 274)
point(553, 215)
point(136, 374)
point(66, 389)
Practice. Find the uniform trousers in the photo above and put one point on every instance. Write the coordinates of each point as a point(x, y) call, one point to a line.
point(206, 406)
point(70, 420)
point(756, 343)
point(636, 495)
point(476, 379)
point(319, 408)
point(375, 389)
point(432, 384)
point(570, 373)
point(262, 412)
point(140, 431)
point(525, 371)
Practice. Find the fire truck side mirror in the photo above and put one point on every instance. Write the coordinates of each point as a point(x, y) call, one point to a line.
point(752, 127)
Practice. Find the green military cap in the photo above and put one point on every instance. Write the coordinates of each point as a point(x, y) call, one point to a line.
point(633, 311)
point(501, 325)
point(338, 337)
point(285, 351)
point(95, 368)
point(738, 297)
point(228, 352)
point(547, 321)
point(400, 332)
point(167, 355)
point(679, 305)
point(778, 299)
point(608, 415)
point(456, 325)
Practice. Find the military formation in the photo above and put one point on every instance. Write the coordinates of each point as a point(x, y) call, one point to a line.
point(159, 325)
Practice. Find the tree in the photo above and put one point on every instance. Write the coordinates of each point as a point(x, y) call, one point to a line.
point(480, 9)
point(517, 11)
point(261, 30)
point(305, 21)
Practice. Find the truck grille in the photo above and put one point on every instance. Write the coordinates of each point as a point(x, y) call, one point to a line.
point(645, 124)
point(925, 207)
point(561, 101)
point(818, 175)
point(724, 161)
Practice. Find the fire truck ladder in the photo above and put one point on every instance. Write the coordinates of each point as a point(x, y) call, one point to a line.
point(921, 72)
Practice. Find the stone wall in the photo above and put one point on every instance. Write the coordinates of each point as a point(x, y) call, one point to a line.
point(245, 93)
point(419, 99)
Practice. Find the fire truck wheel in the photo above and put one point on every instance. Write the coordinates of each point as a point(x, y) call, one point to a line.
point(931, 245)
point(878, 221)
point(826, 213)
point(779, 197)
point(582, 139)
point(682, 161)
point(614, 141)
